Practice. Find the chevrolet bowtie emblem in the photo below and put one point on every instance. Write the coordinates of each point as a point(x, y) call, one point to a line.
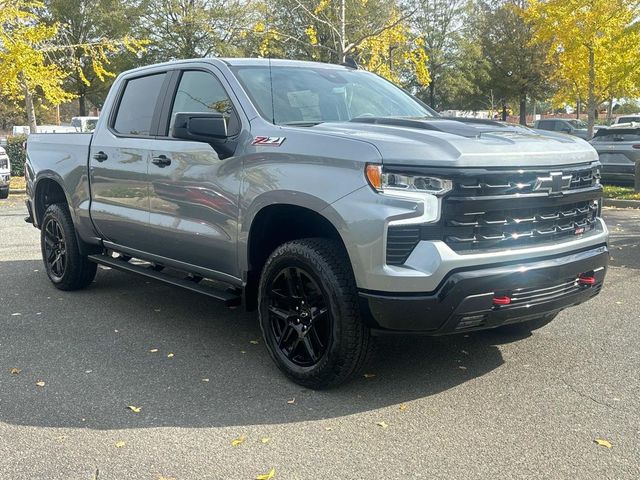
point(554, 183)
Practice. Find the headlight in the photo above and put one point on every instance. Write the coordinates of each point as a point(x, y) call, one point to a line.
point(397, 183)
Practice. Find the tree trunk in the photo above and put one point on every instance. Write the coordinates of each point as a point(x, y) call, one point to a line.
point(610, 112)
point(343, 29)
point(28, 104)
point(578, 108)
point(82, 103)
point(523, 109)
point(591, 101)
point(432, 94)
point(504, 113)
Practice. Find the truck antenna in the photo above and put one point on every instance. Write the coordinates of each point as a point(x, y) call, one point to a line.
point(273, 108)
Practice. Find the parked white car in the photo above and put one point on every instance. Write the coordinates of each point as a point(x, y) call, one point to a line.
point(5, 173)
point(634, 117)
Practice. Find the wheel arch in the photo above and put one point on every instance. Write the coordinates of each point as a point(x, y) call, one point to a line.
point(275, 224)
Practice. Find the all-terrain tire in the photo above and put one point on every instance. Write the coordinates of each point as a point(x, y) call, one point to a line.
point(71, 270)
point(326, 264)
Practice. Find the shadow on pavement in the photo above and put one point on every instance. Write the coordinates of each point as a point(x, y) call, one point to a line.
point(92, 350)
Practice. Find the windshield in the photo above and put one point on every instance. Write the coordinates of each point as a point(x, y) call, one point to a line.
point(577, 124)
point(308, 95)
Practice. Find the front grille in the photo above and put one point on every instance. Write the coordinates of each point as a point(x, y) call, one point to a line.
point(506, 228)
point(497, 209)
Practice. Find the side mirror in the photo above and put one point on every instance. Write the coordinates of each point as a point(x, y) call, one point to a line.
point(201, 126)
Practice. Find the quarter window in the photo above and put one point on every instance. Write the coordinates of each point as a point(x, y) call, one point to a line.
point(137, 105)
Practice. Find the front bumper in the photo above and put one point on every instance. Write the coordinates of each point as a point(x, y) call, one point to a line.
point(464, 299)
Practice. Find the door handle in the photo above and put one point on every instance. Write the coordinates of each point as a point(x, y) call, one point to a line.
point(100, 156)
point(161, 161)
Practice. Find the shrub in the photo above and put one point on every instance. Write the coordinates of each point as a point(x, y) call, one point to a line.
point(16, 153)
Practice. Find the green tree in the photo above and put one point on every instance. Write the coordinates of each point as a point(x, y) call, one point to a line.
point(196, 28)
point(517, 61)
point(87, 29)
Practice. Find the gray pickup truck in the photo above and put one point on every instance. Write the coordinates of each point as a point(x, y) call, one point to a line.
point(332, 202)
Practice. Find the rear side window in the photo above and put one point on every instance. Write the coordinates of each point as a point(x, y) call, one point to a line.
point(617, 135)
point(545, 125)
point(138, 102)
point(202, 92)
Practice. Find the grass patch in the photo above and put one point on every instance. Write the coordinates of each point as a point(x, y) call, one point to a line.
point(620, 193)
point(17, 183)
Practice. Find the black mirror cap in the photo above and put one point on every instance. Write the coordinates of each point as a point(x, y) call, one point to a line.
point(200, 126)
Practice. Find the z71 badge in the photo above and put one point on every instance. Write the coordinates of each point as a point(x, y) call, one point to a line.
point(268, 141)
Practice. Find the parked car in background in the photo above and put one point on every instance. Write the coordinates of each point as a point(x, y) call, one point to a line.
point(20, 130)
point(84, 124)
point(619, 149)
point(5, 173)
point(572, 126)
point(635, 117)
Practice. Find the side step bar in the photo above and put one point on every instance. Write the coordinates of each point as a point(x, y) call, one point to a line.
point(229, 299)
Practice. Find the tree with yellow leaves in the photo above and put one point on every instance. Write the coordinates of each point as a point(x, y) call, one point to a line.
point(34, 60)
point(594, 46)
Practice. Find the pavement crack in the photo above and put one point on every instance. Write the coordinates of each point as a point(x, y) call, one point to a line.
point(589, 397)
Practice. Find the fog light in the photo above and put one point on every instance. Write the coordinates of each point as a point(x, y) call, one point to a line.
point(584, 279)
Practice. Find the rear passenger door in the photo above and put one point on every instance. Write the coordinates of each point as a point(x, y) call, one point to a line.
point(194, 186)
point(119, 160)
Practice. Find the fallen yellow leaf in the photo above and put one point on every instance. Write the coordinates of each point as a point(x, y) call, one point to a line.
point(253, 342)
point(40, 383)
point(134, 409)
point(267, 476)
point(292, 401)
point(328, 429)
point(243, 351)
point(170, 355)
point(402, 407)
point(15, 371)
point(265, 439)
point(603, 443)
point(382, 424)
point(205, 379)
point(120, 444)
point(153, 350)
point(369, 375)
point(237, 441)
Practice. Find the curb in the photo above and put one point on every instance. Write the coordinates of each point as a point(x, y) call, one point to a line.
point(23, 191)
point(612, 202)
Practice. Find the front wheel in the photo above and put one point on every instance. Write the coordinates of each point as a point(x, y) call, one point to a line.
point(309, 313)
point(66, 267)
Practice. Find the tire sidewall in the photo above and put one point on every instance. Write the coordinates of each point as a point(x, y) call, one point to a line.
point(326, 281)
point(53, 213)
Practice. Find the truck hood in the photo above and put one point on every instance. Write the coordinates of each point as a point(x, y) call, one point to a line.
point(469, 143)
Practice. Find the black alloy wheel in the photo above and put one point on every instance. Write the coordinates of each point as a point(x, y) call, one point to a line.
point(299, 316)
point(55, 248)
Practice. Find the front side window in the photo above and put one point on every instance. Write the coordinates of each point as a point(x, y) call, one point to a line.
point(138, 102)
point(201, 92)
point(311, 95)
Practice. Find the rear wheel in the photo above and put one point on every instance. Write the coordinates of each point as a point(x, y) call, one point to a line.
point(528, 326)
point(66, 268)
point(309, 313)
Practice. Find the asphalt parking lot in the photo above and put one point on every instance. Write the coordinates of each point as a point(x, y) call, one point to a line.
point(487, 405)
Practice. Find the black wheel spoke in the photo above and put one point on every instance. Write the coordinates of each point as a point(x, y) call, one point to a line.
point(55, 248)
point(310, 349)
point(296, 304)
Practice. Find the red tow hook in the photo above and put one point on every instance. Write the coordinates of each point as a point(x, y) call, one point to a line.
point(584, 279)
point(501, 300)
